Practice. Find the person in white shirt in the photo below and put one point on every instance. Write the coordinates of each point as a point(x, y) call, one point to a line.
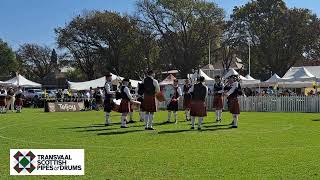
point(108, 97)
point(125, 107)
point(151, 88)
point(3, 95)
point(199, 94)
point(19, 100)
point(174, 102)
point(10, 99)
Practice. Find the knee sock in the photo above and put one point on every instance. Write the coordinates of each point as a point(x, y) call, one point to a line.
point(217, 114)
point(200, 121)
point(107, 118)
point(151, 120)
point(169, 115)
point(220, 114)
point(175, 116)
point(123, 120)
point(192, 121)
point(235, 119)
point(146, 119)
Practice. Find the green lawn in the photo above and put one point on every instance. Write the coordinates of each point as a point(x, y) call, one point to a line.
point(265, 146)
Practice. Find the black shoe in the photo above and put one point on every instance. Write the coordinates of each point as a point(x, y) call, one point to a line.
point(131, 121)
point(146, 128)
point(168, 122)
point(124, 127)
point(231, 123)
point(106, 124)
point(141, 120)
point(234, 126)
point(151, 128)
point(192, 128)
point(199, 128)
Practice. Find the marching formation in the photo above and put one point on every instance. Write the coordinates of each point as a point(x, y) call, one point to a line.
point(148, 94)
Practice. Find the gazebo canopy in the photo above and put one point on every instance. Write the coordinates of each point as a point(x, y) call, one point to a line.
point(168, 80)
point(23, 82)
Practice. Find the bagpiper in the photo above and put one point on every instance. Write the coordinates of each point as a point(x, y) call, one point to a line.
point(199, 92)
point(174, 102)
point(232, 96)
point(139, 92)
point(151, 87)
point(218, 90)
point(187, 99)
point(125, 105)
point(19, 100)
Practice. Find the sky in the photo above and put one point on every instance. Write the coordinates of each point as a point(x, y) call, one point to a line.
point(33, 21)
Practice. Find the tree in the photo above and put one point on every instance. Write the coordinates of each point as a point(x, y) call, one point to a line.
point(279, 36)
point(184, 28)
point(36, 60)
point(8, 63)
point(107, 41)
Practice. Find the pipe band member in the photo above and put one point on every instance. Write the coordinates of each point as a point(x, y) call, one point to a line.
point(3, 96)
point(199, 94)
point(218, 90)
point(174, 102)
point(108, 103)
point(187, 99)
point(125, 105)
point(232, 96)
point(19, 100)
point(150, 88)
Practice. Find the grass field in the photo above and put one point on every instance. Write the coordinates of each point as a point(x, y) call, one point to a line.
point(265, 146)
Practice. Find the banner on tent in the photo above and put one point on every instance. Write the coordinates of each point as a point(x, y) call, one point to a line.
point(64, 106)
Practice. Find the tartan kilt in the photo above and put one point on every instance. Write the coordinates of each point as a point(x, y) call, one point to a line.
point(108, 105)
point(218, 102)
point(140, 99)
point(173, 106)
point(186, 102)
point(149, 103)
point(125, 106)
point(2, 101)
point(19, 102)
point(233, 104)
point(198, 109)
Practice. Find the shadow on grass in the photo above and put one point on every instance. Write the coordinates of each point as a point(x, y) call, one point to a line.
point(316, 120)
point(217, 125)
point(90, 126)
point(189, 130)
point(119, 132)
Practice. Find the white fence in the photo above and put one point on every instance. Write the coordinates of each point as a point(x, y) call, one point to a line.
point(269, 104)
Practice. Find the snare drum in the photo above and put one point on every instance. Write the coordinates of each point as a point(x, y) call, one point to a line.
point(136, 105)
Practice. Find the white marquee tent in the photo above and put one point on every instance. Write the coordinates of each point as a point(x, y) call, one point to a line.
point(23, 82)
point(100, 82)
point(298, 74)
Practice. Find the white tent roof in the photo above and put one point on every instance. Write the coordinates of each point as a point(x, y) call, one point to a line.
point(314, 70)
point(206, 77)
point(22, 81)
point(168, 80)
point(249, 81)
point(4, 83)
point(298, 74)
point(100, 82)
point(274, 79)
point(87, 84)
point(248, 77)
point(230, 73)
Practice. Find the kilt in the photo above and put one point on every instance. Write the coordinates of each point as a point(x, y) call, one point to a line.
point(198, 109)
point(2, 101)
point(186, 102)
point(173, 106)
point(19, 102)
point(233, 105)
point(218, 102)
point(149, 103)
point(140, 99)
point(125, 106)
point(108, 105)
